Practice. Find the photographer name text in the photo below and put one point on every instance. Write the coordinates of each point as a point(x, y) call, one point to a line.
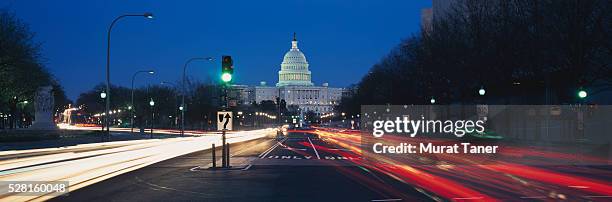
point(430, 148)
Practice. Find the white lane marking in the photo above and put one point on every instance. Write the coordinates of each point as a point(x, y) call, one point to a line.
point(313, 147)
point(262, 155)
point(291, 148)
point(247, 149)
point(391, 199)
point(249, 166)
point(268, 150)
point(168, 188)
point(265, 153)
point(194, 169)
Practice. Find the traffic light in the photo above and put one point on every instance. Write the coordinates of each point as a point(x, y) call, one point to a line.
point(582, 94)
point(227, 68)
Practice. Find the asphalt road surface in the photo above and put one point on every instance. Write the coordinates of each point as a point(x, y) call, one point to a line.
point(298, 167)
point(309, 165)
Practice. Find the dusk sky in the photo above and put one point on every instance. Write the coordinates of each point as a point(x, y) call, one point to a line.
point(338, 37)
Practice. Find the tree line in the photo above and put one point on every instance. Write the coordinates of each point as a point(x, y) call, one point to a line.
point(202, 101)
point(519, 51)
point(22, 72)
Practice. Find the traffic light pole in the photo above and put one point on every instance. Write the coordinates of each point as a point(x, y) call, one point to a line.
point(224, 147)
point(224, 154)
point(227, 69)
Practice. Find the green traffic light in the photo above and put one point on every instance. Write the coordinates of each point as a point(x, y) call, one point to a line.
point(582, 94)
point(226, 77)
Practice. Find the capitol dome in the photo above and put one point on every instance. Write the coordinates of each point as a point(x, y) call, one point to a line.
point(294, 68)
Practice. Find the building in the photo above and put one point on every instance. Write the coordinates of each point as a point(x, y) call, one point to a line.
point(295, 86)
point(240, 93)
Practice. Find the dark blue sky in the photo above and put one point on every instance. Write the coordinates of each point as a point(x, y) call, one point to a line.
point(341, 39)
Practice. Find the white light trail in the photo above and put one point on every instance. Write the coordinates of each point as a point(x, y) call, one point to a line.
point(94, 165)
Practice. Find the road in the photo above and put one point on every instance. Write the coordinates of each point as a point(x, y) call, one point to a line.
point(267, 169)
point(304, 165)
point(87, 164)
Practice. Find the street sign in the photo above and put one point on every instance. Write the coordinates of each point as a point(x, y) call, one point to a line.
point(224, 120)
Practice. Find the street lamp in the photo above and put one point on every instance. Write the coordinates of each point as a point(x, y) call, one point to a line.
point(152, 104)
point(481, 91)
point(132, 100)
point(432, 101)
point(103, 96)
point(183, 89)
point(108, 41)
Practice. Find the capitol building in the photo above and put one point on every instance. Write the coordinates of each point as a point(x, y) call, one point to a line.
point(295, 86)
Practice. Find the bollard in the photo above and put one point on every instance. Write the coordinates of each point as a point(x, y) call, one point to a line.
point(214, 157)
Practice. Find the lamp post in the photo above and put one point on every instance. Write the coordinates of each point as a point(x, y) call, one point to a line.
point(481, 93)
point(108, 41)
point(131, 107)
point(182, 107)
point(152, 104)
point(103, 96)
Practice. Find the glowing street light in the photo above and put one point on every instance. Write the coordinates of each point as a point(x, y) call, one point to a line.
point(481, 91)
point(151, 103)
point(103, 95)
point(148, 15)
point(432, 101)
